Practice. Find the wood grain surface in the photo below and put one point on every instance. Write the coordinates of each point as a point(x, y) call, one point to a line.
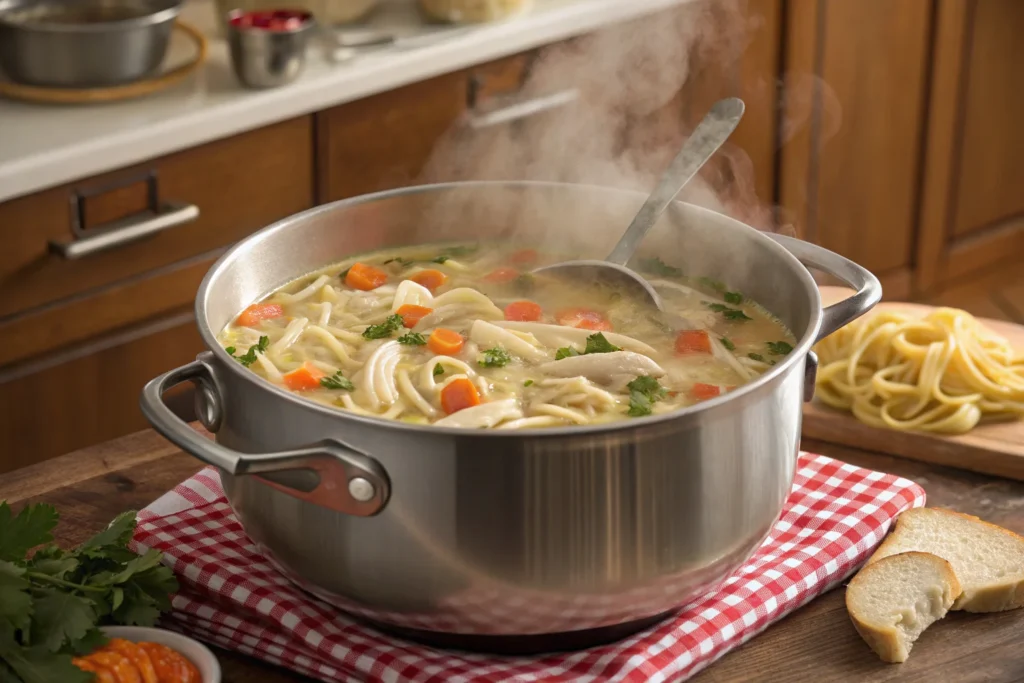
point(996, 449)
point(817, 642)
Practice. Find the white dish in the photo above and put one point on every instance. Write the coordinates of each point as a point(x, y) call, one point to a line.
point(195, 651)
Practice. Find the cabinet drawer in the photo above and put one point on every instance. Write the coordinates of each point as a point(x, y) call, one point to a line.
point(90, 394)
point(236, 185)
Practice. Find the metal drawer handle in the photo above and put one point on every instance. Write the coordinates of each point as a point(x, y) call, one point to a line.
point(328, 474)
point(156, 218)
point(523, 110)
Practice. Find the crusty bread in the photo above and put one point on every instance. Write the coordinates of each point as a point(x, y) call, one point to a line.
point(988, 560)
point(892, 601)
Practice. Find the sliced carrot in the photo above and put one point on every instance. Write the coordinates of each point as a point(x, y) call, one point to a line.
point(703, 392)
point(523, 257)
point(693, 341)
point(364, 277)
point(523, 310)
point(502, 274)
point(257, 312)
point(458, 394)
point(136, 655)
point(170, 666)
point(304, 378)
point(102, 675)
point(445, 342)
point(123, 669)
point(412, 314)
point(431, 279)
point(583, 318)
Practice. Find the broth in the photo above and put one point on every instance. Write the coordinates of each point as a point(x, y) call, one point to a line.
point(465, 336)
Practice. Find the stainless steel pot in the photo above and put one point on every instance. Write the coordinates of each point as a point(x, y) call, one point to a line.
point(84, 43)
point(508, 533)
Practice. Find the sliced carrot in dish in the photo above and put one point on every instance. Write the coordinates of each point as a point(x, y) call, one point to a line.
point(103, 675)
point(412, 314)
point(304, 378)
point(431, 279)
point(583, 318)
point(693, 341)
point(123, 669)
point(523, 257)
point(136, 655)
point(364, 277)
point(523, 310)
point(502, 274)
point(257, 312)
point(445, 342)
point(459, 394)
point(703, 392)
point(170, 666)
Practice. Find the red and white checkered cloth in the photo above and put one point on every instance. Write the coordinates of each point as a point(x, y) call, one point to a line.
point(233, 597)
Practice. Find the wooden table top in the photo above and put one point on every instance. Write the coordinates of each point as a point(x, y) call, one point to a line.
point(817, 642)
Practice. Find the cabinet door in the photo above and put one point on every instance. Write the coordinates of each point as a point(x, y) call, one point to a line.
point(973, 178)
point(90, 393)
point(855, 81)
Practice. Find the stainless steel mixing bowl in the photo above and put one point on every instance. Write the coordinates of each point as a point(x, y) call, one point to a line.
point(491, 533)
point(84, 43)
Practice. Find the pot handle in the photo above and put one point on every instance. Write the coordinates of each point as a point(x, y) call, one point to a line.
point(869, 289)
point(327, 474)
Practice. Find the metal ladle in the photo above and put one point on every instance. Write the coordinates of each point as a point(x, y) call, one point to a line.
point(706, 139)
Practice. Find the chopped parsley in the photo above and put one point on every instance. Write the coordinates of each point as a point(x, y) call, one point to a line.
point(438, 370)
point(249, 357)
point(412, 339)
point(566, 352)
point(734, 298)
point(729, 313)
point(441, 259)
point(527, 382)
point(780, 348)
point(459, 251)
point(711, 284)
point(337, 381)
point(727, 343)
point(655, 266)
point(524, 284)
point(400, 261)
point(644, 392)
point(495, 358)
point(384, 329)
point(761, 359)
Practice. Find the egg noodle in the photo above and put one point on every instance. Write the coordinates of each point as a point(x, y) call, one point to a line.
point(943, 372)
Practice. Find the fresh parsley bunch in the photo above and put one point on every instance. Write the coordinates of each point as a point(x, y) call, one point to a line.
point(52, 603)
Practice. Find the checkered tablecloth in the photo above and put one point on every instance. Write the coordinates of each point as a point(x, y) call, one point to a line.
point(232, 596)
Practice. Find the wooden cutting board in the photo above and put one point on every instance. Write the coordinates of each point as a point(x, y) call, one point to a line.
point(996, 449)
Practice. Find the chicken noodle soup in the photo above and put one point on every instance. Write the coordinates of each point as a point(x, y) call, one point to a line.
point(465, 336)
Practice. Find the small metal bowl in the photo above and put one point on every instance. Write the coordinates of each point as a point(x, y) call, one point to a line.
point(84, 43)
point(268, 57)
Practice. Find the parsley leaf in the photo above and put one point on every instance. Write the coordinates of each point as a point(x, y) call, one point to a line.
point(337, 381)
point(15, 602)
point(117, 533)
point(655, 266)
point(729, 313)
point(527, 382)
point(596, 343)
point(60, 617)
point(758, 357)
point(30, 528)
point(733, 298)
point(441, 259)
point(462, 250)
point(566, 352)
point(727, 343)
point(37, 664)
point(249, 357)
point(711, 284)
point(412, 339)
point(384, 329)
point(438, 370)
point(399, 260)
point(639, 404)
point(780, 348)
point(644, 392)
point(495, 358)
point(524, 284)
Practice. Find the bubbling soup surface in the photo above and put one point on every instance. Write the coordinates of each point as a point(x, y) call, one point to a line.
point(465, 336)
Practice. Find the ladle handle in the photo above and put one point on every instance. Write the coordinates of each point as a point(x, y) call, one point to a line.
point(707, 137)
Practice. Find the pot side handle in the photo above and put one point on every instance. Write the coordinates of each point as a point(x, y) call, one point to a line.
point(869, 289)
point(342, 479)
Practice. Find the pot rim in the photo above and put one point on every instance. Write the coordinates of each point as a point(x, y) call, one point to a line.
point(796, 356)
point(166, 10)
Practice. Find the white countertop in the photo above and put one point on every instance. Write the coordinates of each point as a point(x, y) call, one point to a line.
point(44, 146)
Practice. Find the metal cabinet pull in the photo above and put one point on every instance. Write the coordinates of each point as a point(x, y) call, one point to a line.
point(156, 218)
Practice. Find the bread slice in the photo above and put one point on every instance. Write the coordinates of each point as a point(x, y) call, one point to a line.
point(893, 600)
point(988, 560)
